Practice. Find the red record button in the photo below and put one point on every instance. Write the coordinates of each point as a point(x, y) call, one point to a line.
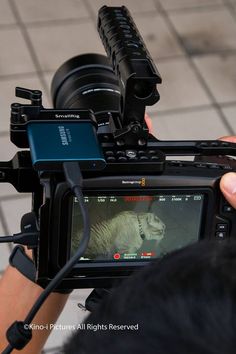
point(116, 256)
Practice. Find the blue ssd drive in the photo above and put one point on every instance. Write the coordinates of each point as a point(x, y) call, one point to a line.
point(52, 143)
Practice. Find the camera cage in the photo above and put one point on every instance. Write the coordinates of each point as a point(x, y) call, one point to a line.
point(137, 77)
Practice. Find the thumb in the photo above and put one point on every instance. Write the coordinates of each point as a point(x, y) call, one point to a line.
point(228, 187)
point(149, 123)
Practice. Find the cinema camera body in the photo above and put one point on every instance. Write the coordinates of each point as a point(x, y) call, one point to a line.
point(141, 204)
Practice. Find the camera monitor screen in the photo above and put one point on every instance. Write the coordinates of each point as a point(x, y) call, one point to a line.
point(137, 227)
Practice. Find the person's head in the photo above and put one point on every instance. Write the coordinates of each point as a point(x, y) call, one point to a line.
point(184, 303)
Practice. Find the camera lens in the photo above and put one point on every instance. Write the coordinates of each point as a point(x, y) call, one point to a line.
point(87, 82)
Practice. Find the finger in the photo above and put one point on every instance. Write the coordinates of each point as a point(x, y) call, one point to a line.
point(228, 187)
point(149, 123)
point(230, 139)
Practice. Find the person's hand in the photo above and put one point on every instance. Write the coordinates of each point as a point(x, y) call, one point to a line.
point(148, 121)
point(228, 181)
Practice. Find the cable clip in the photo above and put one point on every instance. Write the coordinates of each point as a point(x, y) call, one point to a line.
point(19, 334)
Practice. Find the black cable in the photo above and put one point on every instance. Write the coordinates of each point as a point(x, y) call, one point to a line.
point(8, 350)
point(74, 179)
point(22, 238)
point(6, 239)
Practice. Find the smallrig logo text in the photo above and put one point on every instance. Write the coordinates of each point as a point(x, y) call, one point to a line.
point(141, 182)
point(67, 116)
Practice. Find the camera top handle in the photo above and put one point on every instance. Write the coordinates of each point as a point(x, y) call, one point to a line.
point(135, 70)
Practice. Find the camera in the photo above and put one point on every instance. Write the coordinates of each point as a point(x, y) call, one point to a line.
point(142, 205)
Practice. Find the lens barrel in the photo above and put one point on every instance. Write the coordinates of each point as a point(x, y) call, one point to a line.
point(86, 82)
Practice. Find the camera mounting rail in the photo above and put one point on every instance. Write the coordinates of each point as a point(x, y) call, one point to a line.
point(135, 70)
point(21, 174)
point(21, 115)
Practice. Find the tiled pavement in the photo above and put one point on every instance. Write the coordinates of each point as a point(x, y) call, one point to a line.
point(193, 43)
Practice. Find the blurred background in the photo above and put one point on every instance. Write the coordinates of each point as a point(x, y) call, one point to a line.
point(193, 43)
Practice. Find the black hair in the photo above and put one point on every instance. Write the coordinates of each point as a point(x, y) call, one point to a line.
point(184, 303)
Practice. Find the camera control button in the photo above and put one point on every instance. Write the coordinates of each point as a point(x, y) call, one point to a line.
point(228, 209)
point(122, 158)
point(224, 143)
point(222, 227)
point(131, 153)
point(109, 153)
point(154, 158)
point(144, 158)
point(204, 144)
point(221, 234)
point(141, 152)
point(215, 143)
point(111, 159)
point(120, 153)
